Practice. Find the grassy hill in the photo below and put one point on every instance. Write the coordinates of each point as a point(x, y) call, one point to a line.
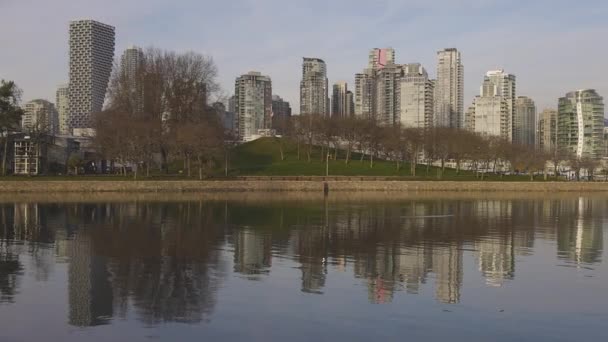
point(262, 157)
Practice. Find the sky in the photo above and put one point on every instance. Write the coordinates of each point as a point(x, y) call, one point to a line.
point(552, 46)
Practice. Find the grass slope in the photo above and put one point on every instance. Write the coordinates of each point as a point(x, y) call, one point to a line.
point(262, 158)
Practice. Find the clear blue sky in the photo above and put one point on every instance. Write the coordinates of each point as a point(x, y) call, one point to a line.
point(552, 46)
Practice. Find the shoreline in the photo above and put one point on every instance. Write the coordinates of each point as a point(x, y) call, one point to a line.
point(307, 186)
point(297, 198)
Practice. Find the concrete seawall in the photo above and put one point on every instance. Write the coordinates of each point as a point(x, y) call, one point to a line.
point(88, 186)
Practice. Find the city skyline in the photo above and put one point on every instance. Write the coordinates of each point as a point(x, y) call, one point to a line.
point(344, 54)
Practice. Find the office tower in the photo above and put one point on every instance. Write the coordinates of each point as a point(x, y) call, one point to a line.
point(62, 106)
point(580, 123)
point(416, 97)
point(449, 89)
point(524, 121)
point(379, 58)
point(364, 93)
point(388, 94)
point(339, 101)
point(314, 87)
point(131, 64)
point(40, 116)
point(547, 130)
point(253, 104)
point(91, 59)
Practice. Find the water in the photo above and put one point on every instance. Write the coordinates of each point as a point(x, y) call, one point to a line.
point(247, 267)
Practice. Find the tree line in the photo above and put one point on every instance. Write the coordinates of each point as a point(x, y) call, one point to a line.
point(339, 137)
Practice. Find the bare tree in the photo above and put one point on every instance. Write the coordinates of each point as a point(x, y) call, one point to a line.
point(168, 89)
point(10, 114)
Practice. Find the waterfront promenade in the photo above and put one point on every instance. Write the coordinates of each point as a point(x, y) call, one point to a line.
point(280, 184)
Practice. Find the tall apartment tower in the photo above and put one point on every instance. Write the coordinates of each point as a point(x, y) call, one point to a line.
point(314, 87)
point(505, 87)
point(350, 104)
point(40, 116)
point(281, 110)
point(379, 58)
point(547, 130)
point(388, 94)
point(339, 100)
point(91, 59)
point(449, 89)
point(253, 104)
point(580, 123)
point(131, 64)
point(416, 97)
point(491, 115)
point(524, 121)
point(364, 93)
point(365, 82)
point(469, 117)
point(62, 105)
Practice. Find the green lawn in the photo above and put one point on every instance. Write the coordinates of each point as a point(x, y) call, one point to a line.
point(262, 158)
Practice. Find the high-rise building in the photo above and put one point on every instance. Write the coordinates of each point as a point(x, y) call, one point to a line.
point(350, 104)
point(40, 116)
point(91, 59)
point(547, 130)
point(416, 97)
point(281, 110)
point(493, 113)
point(280, 107)
point(449, 89)
point(492, 117)
point(339, 101)
point(605, 150)
point(469, 117)
point(580, 123)
point(364, 94)
point(524, 121)
point(505, 87)
point(131, 64)
point(253, 104)
point(366, 82)
point(388, 94)
point(314, 87)
point(62, 106)
point(379, 58)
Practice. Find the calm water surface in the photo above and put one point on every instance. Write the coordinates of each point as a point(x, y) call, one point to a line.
point(434, 268)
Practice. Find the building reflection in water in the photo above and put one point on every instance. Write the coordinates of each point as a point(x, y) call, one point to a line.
point(579, 234)
point(252, 253)
point(164, 261)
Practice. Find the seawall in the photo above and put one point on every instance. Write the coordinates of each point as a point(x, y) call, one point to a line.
point(177, 186)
